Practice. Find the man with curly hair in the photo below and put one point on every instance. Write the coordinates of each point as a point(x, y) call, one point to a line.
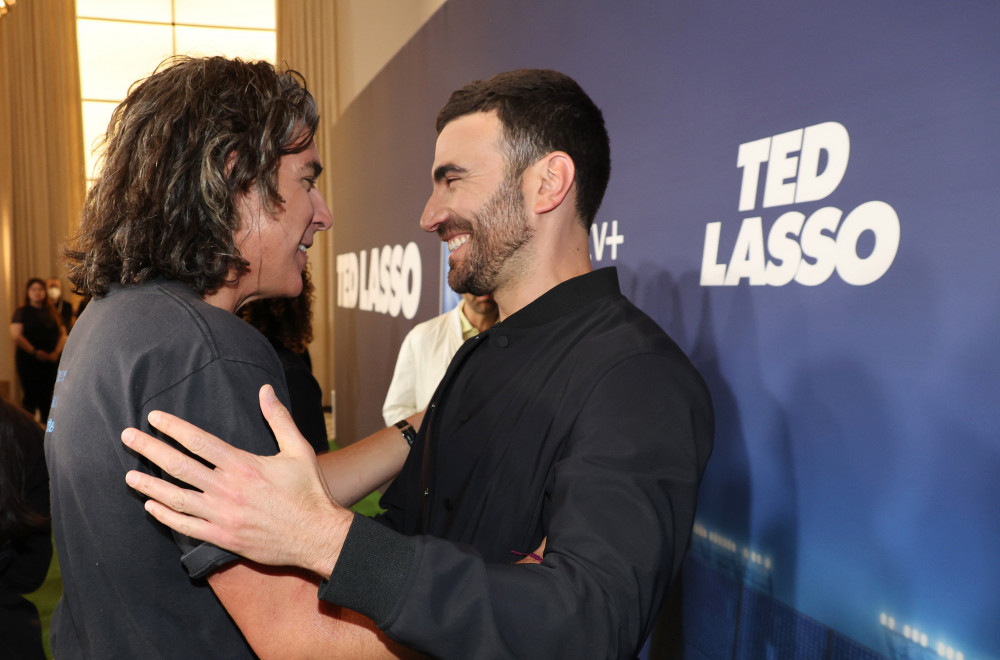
point(206, 201)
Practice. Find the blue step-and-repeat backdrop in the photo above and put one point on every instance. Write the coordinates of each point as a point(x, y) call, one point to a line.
point(806, 196)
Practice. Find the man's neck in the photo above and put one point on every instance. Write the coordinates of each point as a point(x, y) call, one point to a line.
point(225, 297)
point(551, 264)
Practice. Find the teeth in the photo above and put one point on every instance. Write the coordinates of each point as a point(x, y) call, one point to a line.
point(302, 247)
point(457, 242)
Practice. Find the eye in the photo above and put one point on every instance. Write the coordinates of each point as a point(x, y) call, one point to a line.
point(310, 182)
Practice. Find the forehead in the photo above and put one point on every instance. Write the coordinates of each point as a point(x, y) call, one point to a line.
point(470, 141)
point(304, 162)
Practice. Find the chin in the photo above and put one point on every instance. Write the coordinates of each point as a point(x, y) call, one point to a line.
point(294, 289)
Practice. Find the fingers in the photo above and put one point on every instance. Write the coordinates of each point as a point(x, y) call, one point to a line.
point(180, 523)
point(182, 500)
point(217, 452)
point(170, 460)
point(290, 441)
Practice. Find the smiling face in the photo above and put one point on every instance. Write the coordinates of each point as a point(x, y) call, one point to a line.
point(275, 243)
point(474, 208)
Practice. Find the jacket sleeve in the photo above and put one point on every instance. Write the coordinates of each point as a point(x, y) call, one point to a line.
point(620, 507)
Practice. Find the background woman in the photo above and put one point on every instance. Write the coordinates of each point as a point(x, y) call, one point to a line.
point(39, 334)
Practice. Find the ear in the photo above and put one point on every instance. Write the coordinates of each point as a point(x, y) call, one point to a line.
point(555, 175)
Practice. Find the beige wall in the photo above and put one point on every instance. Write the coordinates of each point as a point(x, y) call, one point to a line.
point(369, 33)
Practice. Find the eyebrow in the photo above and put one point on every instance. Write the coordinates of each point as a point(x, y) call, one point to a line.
point(444, 170)
point(316, 167)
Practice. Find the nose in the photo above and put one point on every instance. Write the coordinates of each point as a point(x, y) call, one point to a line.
point(434, 214)
point(321, 212)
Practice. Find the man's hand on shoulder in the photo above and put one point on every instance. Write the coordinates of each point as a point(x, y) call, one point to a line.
point(274, 510)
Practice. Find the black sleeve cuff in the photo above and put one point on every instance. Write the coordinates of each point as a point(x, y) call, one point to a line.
point(203, 558)
point(372, 570)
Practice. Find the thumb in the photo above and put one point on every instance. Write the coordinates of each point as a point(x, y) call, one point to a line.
point(290, 441)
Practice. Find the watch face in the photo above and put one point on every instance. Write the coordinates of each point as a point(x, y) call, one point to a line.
point(407, 430)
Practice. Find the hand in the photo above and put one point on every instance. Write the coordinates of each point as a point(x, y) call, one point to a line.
point(42, 356)
point(273, 510)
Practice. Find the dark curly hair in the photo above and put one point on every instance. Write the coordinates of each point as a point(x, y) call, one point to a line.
point(179, 149)
point(287, 321)
point(542, 111)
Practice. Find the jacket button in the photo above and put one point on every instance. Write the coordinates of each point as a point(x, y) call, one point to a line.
point(502, 341)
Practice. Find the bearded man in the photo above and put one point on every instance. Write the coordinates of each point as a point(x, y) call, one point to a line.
point(574, 421)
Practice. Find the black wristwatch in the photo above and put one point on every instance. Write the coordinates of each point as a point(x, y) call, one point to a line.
point(407, 430)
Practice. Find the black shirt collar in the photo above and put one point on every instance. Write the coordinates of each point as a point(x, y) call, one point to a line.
point(566, 298)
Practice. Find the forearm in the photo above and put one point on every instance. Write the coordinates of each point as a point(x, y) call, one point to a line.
point(17, 334)
point(445, 600)
point(357, 470)
point(277, 611)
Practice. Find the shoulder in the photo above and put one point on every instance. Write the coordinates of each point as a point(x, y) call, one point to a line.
point(616, 327)
point(439, 325)
point(616, 336)
point(177, 317)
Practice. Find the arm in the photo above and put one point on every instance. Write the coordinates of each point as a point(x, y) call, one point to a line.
point(287, 515)
point(277, 611)
point(17, 334)
point(355, 471)
point(620, 515)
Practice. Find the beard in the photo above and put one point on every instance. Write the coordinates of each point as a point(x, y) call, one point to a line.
point(499, 229)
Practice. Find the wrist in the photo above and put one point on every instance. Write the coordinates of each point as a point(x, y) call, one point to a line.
point(406, 429)
point(326, 540)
